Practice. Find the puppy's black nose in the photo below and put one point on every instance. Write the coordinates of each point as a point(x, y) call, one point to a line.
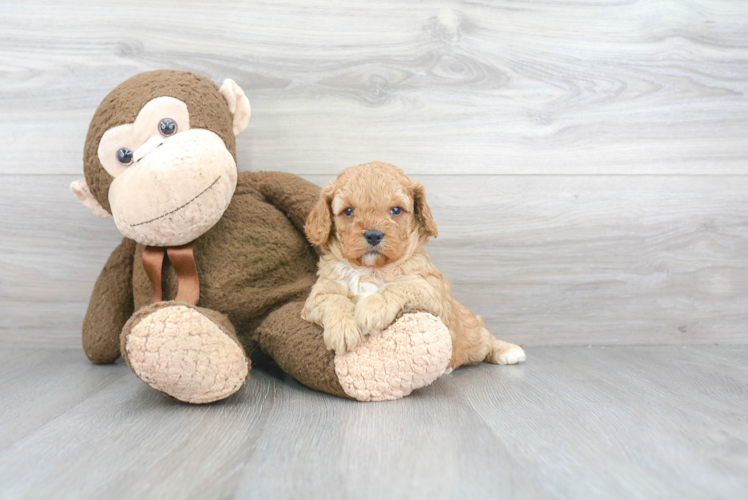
point(373, 238)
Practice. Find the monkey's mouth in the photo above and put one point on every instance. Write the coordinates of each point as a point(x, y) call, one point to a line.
point(180, 207)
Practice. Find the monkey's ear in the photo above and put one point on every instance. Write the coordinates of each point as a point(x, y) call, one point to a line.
point(319, 223)
point(238, 104)
point(81, 191)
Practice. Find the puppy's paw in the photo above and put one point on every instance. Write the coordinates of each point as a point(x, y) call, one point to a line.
point(375, 313)
point(342, 334)
point(508, 354)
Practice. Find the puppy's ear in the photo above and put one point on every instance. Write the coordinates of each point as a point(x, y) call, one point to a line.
point(319, 223)
point(423, 212)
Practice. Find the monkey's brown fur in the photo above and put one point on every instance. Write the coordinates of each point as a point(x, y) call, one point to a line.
point(254, 261)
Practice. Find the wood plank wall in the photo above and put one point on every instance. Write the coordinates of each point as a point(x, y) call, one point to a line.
point(585, 161)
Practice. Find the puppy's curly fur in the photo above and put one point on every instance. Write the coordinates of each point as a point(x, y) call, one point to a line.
point(372, 225)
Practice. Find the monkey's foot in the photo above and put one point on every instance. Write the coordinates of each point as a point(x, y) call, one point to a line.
point(188, 353)
point(411, 353)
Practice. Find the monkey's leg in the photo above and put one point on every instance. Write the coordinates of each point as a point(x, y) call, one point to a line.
point(189, 353)
point(411, 353)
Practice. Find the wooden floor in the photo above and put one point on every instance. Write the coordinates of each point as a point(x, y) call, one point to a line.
point(572, 422)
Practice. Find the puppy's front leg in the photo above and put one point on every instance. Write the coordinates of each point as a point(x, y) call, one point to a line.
point(329, 307)
point(377, 311)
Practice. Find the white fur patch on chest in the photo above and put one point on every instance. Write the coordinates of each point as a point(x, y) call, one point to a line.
point(363, 290)
point(361, 285)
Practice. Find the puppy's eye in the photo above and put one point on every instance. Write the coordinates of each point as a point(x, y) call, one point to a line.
point(167, 127)
point(348, 212)
point(396, 211)
point(124, 156)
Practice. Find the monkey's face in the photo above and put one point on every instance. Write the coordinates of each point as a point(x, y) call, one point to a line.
point(164, 176)
point(171, 183)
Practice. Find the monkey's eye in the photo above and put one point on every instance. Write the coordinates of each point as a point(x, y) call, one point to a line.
point(348, 212)
point(124, 156)
point(167, 127)
point(396, 211)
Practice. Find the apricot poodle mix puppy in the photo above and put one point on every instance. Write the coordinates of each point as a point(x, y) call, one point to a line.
point(372, 225)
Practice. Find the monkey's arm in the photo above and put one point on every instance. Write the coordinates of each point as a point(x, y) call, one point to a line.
point(110, 307)
point(290, 193)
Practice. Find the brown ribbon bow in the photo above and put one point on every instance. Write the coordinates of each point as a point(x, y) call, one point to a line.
point(182, 260)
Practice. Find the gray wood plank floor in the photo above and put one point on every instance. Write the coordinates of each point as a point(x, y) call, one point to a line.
point(572, 422)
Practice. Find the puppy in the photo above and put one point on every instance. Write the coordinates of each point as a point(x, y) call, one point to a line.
point(372, 225)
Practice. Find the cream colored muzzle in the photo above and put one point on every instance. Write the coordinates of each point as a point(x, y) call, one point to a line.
point(175, 190)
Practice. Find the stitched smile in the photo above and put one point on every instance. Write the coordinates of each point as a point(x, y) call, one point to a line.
point(179, 208)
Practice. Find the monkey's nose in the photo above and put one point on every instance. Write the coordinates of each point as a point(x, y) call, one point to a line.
point(373, 238)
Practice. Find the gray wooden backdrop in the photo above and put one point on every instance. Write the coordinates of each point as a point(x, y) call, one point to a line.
point(585, 161)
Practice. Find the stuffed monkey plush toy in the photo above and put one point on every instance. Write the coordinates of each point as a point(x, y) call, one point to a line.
point(214, 268)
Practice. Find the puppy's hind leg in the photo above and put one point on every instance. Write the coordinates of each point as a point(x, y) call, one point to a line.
point(502, 353)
